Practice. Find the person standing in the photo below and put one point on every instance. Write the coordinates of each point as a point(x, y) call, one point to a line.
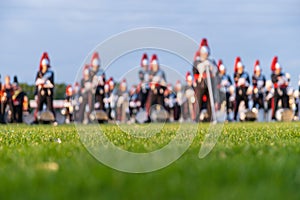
point(6, 100)
point(280, 86)
point(99, 93)
point(189, 110)
point(259, 83)
point(179, 94)
point(224, 84)
point(134, 102)
point(45, 85)
point(77, 99)
point(242, 82)
point(86, 96)
point(68, 105)
point(205, 72)
point(97, 79)
point(18, 100)
point(144, 80)
point(158, 84)
point(122, 105)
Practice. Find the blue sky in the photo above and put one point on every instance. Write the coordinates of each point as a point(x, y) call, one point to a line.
point(69, 30)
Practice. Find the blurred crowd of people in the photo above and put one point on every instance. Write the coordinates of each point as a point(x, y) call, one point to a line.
point(207, 93)
point(13, 101)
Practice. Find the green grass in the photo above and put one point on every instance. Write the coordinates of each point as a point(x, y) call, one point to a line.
point(250, 161)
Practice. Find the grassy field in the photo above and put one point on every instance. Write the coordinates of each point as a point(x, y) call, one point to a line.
point(250, 161)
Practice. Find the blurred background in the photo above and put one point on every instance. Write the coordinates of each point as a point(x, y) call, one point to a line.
point(70, 30)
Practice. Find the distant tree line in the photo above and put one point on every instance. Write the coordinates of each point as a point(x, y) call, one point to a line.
point(59, 91)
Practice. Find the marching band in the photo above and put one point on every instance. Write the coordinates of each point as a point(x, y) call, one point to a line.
point(208, 88)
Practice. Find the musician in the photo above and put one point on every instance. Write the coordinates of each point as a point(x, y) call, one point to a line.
point(259, 83)
point(189, 106)
point(18, 101)
point(122, 103)
point(280, 82)
point(44, 82)
point(6, 100)
point(205, 71)
point(242, 82)
point(86, 96)
point(144, 80)
point(68, 106)
point(134, 102)
point(224, 83)
point(157, 84)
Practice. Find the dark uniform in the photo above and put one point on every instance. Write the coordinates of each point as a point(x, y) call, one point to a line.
point(242, 82)
point(68, 105)
point(6, 100)
point(45, 86)
point(224, 83)
point(280, 86)
point(259, 83)
point(107, 100)
point(18, 99)
point(205, 70)
point(157, 85)
point(99, 93)
point(189, 112)
point(144, 81)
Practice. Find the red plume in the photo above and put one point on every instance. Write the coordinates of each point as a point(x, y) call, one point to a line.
point(274, 61)
point(256, 64)
point(153, 59)
point(144, 58)
point(69, 90)
point(86, 69)
point(44, 56)
point(237, 60)
point(220, 62)
point(188, 76)
point(95, 56)
point(204, 43)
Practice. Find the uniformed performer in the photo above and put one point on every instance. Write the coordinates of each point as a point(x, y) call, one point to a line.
point(224, 83)
point(144, 80)
point(157, 83)
point(259, 83)
point(242, 82)
point(189, 105)
point(68, 110)
point(205, 72)
point(6, 101)
point(18, 101)
point(280, 82)
point(44, 82)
